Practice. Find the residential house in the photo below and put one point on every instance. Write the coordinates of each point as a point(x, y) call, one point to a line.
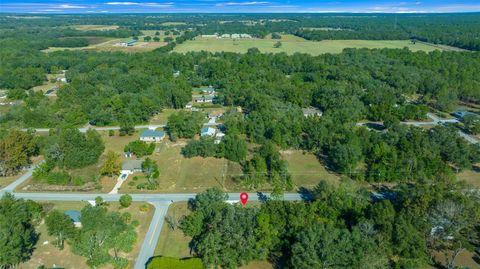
point(131, 166)
point(188, 105)
point(152, 136)
point(204, 99)
point(219, 136)
point(207, 131)
point(312, 112)
point(74, 215)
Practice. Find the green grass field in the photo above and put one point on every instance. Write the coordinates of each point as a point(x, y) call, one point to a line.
point(292, 45)
point(180, 174)
point(306, 169)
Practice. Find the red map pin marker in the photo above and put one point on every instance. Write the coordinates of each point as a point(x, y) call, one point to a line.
point(244, 197)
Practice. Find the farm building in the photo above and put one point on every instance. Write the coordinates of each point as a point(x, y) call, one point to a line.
point(131, 166)
point(204, 99)
point(128, 43)
point(152, 136)
point(74, 215)
point(311, 112)
point(208, 90)
point(208, 131)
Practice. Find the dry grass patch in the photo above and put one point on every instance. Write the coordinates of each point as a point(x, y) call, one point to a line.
point(95, 27)
point(471, 177)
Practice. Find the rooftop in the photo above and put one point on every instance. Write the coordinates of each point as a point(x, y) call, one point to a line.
point(132, 165)
point(74, 215)
point(152, 133)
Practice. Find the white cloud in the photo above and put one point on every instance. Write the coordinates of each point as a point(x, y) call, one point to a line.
point(151, 4)
point(122, 3)
point(253, 3)
point(67, 6)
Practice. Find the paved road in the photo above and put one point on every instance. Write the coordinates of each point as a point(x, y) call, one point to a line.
point(114, 128)
point(434, 121)
point(161, 203)
point(19, 180)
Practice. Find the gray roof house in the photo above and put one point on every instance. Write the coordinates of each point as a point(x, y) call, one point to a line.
point(74, 215)
point(152, 136)
point(462, 114)
point(131, 166)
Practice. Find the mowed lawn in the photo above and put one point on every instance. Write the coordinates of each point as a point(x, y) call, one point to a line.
point(47, 254)
point(292, 45)
point(173, 243)
point(306, 169)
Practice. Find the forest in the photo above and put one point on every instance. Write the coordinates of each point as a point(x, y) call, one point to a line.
point(340, 227)
point(359, 84)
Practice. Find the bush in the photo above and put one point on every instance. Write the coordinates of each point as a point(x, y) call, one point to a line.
point(140, 148)
point(174, 263)
point(144, 208)
point(125, 200)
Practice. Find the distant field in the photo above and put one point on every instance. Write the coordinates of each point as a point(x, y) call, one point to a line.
point(173, 23)
point(291, 45)
point(93, 27)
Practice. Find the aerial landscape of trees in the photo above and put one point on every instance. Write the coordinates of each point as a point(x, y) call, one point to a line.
point(341, 227)
point(363, 133)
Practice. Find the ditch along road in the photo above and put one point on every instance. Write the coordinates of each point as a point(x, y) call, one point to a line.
point(161, 202)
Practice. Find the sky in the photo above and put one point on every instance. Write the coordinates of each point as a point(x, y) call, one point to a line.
point(236, 6)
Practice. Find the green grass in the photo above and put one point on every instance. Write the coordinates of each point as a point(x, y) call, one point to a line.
point(306, 169)
point(180, 174)
point(173, 243)
point(292, 45)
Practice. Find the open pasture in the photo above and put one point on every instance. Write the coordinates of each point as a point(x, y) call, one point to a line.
point(292, 45)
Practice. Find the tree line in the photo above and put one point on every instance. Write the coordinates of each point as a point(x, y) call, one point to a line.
point(340, 227)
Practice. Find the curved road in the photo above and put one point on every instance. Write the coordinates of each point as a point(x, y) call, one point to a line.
point(161, 202)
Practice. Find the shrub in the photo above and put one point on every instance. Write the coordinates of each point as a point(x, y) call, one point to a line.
point(125, 200)
point(144, 208)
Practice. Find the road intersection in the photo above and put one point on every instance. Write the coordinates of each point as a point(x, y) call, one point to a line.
point(161, 202)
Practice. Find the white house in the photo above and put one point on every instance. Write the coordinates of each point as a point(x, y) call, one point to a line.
point(208, 131)
point(218, 137)
point(188, 105)
point(152, 136)
point(311, 112)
